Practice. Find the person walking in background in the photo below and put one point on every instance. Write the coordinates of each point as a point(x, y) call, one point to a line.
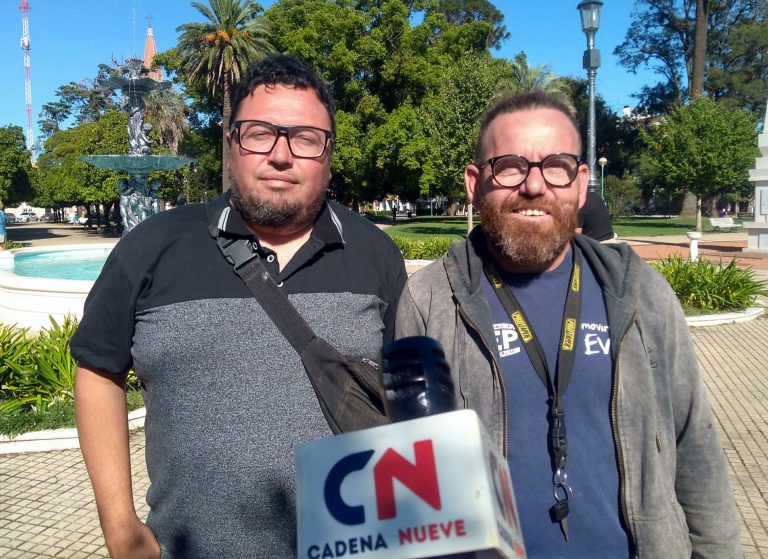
point(576, 355)
point(228, 398)
point(3, 229)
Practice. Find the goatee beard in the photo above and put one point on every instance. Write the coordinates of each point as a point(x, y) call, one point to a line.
point(276, 212)
point(529, 247)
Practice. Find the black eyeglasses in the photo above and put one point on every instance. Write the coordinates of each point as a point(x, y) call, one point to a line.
point(258, 136)
point(558, 169)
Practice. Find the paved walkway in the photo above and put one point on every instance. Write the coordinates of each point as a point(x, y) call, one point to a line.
point(46, 502)
point(47, 234)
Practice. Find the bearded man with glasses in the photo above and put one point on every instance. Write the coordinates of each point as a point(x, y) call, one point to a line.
point(228, 398)
point(576, 355)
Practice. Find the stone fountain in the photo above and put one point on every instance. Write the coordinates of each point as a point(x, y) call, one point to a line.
point(138, 196)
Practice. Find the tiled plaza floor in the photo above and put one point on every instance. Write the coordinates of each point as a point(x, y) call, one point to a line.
point(47, 507)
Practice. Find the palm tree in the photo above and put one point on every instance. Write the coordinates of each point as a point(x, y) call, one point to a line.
point(167, 112)
point(217, 52)
point(525, 77)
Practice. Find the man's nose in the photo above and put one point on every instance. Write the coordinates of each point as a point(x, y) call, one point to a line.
point(534, 184)
point(281, 152)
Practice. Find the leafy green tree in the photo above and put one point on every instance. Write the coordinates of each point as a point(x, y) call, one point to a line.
point(329, 35)
point(85, 101)
point(52, 117)
point(62, 179)
point(621, 195)
point(450, 116)
point(14, 165)
point(396, 151)
point(616, 137)
point(348, 182)
point(217, 52)
point(661, 37)
point(382, 66)
point(706, 148)
point(461, 12)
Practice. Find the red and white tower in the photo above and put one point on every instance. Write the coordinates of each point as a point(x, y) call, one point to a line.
point(24, 7)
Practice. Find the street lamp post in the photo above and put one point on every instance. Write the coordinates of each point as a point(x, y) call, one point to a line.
point(590, 21)
point(602, 162)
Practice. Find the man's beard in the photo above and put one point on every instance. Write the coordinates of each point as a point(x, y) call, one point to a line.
point(527, 245)
point(277, 212)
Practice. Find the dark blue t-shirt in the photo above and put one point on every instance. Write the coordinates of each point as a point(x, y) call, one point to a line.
point(595, 527)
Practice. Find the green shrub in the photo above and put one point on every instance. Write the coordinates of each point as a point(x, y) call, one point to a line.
point(37, 379)
point(45, 375)
point(14, 356)
point(426, 249)
point(702, 286)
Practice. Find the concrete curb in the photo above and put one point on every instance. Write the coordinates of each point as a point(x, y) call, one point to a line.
point(724, 318)
point(57, 439)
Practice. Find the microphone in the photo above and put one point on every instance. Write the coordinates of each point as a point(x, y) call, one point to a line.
point(430, 484)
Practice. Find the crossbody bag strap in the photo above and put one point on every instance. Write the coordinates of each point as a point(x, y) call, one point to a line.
point(248, 266)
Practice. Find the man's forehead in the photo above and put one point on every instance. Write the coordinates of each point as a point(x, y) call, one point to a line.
point(283, 100)
point(531, 126)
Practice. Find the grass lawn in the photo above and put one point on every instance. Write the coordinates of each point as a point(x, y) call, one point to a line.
point(656, 226)
point(56, 416)
point(424, 227)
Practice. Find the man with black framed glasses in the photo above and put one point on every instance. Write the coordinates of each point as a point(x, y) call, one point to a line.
point(228, 397)
point(576, 356)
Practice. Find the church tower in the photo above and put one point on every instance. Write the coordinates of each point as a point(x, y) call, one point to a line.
point(150, 50)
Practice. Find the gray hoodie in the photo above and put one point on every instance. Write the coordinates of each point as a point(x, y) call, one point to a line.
point(676, 499)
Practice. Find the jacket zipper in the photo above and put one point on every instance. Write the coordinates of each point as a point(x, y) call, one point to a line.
point(497, 372)
point(616, 441)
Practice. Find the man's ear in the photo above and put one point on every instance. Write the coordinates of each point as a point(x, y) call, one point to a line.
point(472, 182)
point(229, 139)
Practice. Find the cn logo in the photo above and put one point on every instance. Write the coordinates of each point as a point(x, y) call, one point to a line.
point(420, 477)
point(502, 486)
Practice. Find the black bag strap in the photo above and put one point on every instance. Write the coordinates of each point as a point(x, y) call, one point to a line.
point(241, 253)
point(347, 389)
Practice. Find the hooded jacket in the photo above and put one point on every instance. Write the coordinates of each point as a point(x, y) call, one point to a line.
point(675, 497)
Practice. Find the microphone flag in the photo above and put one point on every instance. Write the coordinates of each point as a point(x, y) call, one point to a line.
point(426, 487)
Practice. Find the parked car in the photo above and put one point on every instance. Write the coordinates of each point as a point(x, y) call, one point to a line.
point(10, 217)
point(26, 216)
point(46, 217)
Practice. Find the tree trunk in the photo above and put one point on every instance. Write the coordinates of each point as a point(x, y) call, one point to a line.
point(226, 115)
point(689, 205)
point(699, 48)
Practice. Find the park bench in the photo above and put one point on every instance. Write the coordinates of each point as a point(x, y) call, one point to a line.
point(720, 223)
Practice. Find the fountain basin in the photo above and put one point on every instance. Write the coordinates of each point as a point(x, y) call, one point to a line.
point(138, 164)
point(27, 301)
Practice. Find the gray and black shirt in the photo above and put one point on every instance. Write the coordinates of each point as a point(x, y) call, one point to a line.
point(227, 397)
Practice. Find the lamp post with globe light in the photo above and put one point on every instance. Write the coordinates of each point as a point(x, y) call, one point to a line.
point(602, 162)
point(590, 21)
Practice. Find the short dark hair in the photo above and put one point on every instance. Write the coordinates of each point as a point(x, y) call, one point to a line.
point(528, 100)
point(286, 70)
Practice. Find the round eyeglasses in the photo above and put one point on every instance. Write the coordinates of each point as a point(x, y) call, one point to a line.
point(558, 169)
point(258, 136)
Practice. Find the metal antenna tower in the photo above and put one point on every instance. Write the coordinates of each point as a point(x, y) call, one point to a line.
point(25, 45)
